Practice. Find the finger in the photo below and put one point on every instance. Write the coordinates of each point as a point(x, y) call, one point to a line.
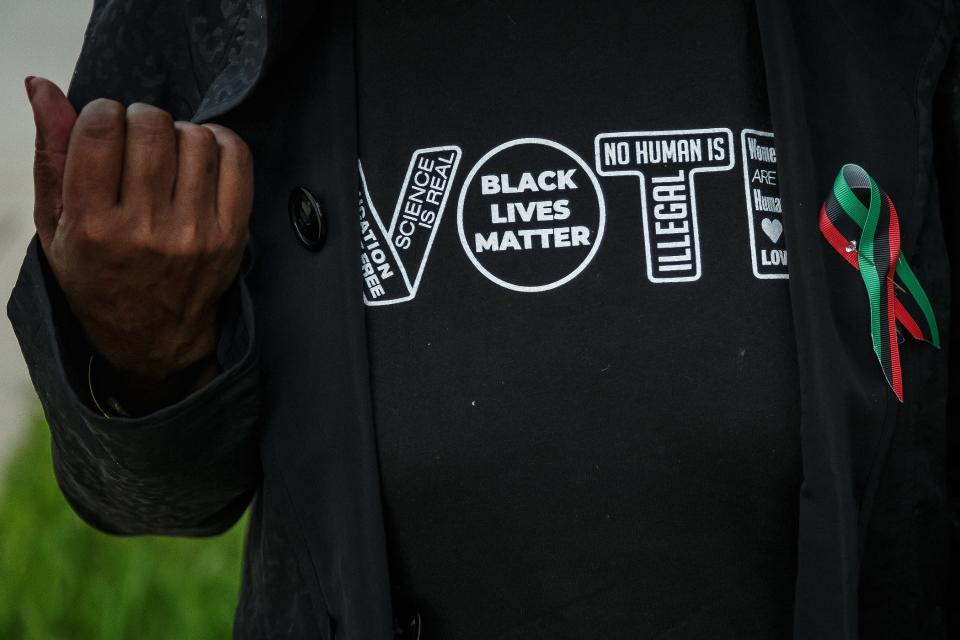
point(198, 154)
point(54, 118)
point(150, 159)
point(91, 180)
point(235, 183)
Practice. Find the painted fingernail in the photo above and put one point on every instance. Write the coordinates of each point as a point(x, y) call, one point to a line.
point(28, 83)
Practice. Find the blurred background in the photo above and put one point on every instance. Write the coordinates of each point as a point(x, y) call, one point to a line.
point(60, 579)
point(36, 38)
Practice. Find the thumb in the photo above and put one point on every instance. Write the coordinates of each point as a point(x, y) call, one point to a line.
point(54, 117)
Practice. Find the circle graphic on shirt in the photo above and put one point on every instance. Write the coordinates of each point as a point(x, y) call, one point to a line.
point(531, 215)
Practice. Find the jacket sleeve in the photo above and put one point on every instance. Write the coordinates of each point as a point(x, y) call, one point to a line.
point(190, 468)
point(947, 151)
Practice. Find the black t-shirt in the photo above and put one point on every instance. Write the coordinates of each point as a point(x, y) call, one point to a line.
point(583, 364)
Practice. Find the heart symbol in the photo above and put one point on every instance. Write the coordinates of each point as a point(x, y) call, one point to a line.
point(773, 228)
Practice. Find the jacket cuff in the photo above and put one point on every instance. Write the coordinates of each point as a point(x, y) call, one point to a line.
point(183, 434)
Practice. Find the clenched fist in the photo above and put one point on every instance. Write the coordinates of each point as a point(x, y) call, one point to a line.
point(144, 222)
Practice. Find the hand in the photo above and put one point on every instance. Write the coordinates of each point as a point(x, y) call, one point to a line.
point(144, 222)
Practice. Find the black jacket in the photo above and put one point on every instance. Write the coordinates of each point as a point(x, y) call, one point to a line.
point(288, 424)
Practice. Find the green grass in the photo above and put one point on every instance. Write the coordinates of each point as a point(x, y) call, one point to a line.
point(60, 579)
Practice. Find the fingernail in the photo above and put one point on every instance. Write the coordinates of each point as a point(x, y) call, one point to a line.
point(28, 83)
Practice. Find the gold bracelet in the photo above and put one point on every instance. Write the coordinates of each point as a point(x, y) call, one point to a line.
point(116, 410)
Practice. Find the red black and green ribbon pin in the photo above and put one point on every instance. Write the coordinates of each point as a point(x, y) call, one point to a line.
point(858, 208)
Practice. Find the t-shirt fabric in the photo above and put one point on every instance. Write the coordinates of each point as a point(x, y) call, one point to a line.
point(582, 358)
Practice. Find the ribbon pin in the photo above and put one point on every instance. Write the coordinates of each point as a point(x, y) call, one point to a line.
point(857, 205)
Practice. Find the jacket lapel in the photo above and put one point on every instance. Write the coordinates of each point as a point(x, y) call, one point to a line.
point(838, 94)
point(319, 446)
